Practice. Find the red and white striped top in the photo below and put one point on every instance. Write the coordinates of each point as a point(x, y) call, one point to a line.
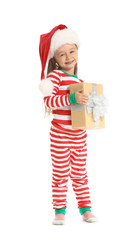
point(58, 101)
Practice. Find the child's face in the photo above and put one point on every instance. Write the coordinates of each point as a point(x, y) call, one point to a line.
point(67, 56)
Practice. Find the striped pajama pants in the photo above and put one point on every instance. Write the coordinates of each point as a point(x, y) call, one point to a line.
point(68, 154)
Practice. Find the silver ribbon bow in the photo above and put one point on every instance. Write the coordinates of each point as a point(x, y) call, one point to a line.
point(97, 105)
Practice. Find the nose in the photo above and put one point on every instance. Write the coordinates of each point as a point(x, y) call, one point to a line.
point(67, 56)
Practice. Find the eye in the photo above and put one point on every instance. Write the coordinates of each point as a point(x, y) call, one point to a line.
point(72, 51)
point(62, 55)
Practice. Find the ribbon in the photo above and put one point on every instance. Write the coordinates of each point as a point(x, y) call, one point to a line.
point(97, 105)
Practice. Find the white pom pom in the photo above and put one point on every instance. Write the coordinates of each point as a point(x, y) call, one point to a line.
point(46, 87)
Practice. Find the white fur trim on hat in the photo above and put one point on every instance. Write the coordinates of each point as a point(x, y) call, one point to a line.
point(46, 87)
point(61, 37)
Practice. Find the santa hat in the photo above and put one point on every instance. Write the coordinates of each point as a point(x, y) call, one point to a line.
point(49, 43)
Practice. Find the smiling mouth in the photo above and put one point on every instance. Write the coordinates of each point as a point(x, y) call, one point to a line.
point(70, 62)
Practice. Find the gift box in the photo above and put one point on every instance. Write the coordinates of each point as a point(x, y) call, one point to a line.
point(91, 115)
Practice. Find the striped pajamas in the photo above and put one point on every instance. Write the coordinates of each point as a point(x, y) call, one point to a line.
point(68, 147)
point(68, 154)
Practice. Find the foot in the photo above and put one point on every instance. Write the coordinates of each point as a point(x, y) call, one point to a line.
point(89, 217)
point(59, 219)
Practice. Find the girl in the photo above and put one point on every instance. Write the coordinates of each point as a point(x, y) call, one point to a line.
point(68, 147)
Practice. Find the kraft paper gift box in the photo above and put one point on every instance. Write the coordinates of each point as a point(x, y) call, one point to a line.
point(81, 119)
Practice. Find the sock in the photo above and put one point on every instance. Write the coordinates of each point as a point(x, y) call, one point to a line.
point(82, 210)
point(61, 210)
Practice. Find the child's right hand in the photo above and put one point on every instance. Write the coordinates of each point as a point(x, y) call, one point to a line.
point(80, 97)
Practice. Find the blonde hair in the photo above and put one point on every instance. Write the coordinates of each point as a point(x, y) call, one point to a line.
point(52, 65)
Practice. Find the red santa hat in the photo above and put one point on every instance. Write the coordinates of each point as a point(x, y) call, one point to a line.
point(50, 42)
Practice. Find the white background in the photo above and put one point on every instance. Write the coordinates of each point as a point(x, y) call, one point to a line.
point(109, 54)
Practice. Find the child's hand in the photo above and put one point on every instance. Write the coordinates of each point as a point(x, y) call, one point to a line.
point(80, 97)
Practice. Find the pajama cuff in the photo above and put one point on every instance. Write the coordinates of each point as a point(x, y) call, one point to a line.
point(82, 210)
point(61, 210)
point(72, 98)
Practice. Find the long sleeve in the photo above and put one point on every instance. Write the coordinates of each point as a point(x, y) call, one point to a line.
point(56, 101)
